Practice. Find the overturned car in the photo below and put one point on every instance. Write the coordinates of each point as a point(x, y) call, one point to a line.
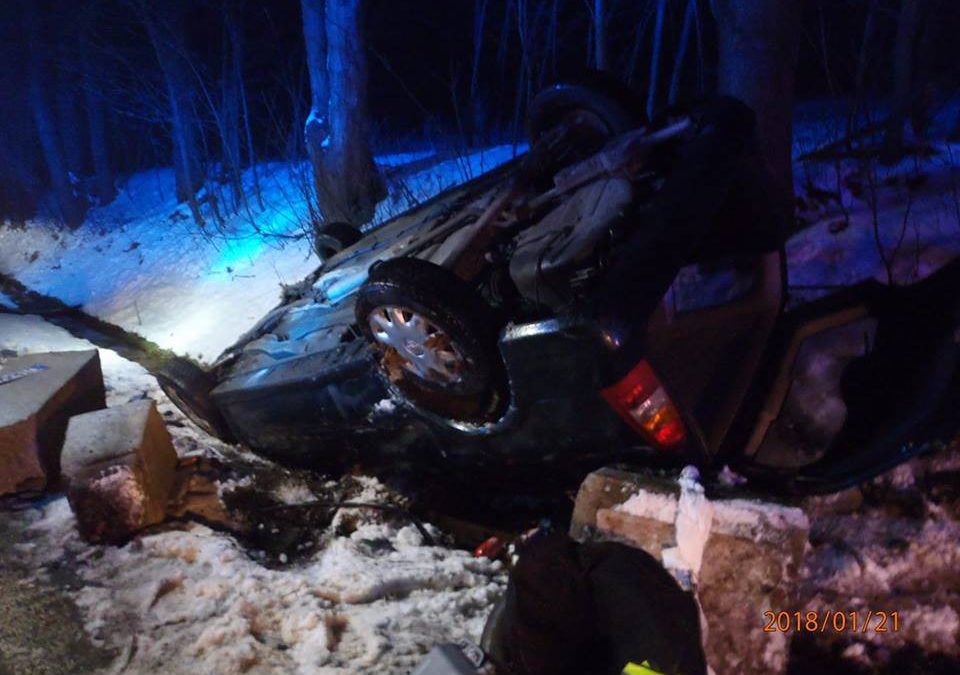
point(620, 286)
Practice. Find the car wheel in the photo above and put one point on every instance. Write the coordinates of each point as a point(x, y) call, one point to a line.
point(604, 110)
point(331, 238)
point(188, 387)
point(566, 124)
point(436, 338)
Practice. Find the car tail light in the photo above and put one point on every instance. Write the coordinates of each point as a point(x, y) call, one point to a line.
point(640, 399)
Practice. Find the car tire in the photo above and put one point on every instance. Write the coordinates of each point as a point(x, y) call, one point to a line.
point(188, 387)
point(464, 325)
point(331, 238)
point(610, 103)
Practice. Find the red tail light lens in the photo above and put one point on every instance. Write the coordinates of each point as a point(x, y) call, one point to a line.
point(645, 406)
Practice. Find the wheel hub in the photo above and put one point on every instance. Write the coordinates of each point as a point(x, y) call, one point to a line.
point(418, 344)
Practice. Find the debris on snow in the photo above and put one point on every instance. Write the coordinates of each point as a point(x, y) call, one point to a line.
point(369, 593)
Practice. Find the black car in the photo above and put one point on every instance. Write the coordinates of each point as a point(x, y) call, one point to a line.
point(620, 287)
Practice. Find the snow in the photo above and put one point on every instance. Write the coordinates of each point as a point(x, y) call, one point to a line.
point(738, 514)
point(890, 545)
point(143, 264)
point(293, 493)
point(374, 597)
point(650, 504)
point(692, 527)
point(384, 406)
point(694, 517)
point(192, 601)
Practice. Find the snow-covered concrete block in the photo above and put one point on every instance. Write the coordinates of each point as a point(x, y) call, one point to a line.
point(38, 394)
point(740, 557)
point(120, 467)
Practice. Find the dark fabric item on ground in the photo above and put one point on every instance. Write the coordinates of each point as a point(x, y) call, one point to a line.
point(589, 609)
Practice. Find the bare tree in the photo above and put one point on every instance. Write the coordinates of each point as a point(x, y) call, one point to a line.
point(71, 209)
point(863, 59)
point(758, 43)
point(71, 126)
point(689, 19)
point(96, 110)
point(655, 56)
point(164, 23)
point(316, 130)
point(600, 35)
point(338, 130)
point(638, 33)
point(908, 23)
point(231, 76)
point(476, 103)
point(354, 184)
point(103, 180)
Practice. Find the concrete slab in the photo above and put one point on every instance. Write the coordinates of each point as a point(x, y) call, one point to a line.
point(120, 468)
point(39, 394)
point(740, 557)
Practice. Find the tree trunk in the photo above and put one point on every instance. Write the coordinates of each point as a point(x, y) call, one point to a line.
point(863, 58)
point(903, 52)
point(638, 35)
point(349, 184)
point(95, 108)
point(71, 209)
point(477, 104)
point(230, 108)
point(688, 20)
point(758, 42)
point(70, 124)
point(316, 130)
point(655, 57)
point(103, 183)
point(600, 34)
point(235, 38)
point(164, 24)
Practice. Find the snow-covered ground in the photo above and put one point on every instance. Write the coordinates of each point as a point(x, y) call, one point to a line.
point(891, 545)
point(846, 206)
point(142, 263)
point(373, 597)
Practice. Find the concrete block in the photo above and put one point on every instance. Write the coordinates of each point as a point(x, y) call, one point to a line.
point(740, 557)
point(120, 468)
point(38, 395)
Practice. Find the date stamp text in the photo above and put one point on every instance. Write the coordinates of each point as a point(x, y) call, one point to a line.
point(836, 621)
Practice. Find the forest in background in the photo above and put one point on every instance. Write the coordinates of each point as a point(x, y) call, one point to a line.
point(100, 89)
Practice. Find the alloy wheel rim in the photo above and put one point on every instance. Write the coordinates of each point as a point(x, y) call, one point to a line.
point(418, 344)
